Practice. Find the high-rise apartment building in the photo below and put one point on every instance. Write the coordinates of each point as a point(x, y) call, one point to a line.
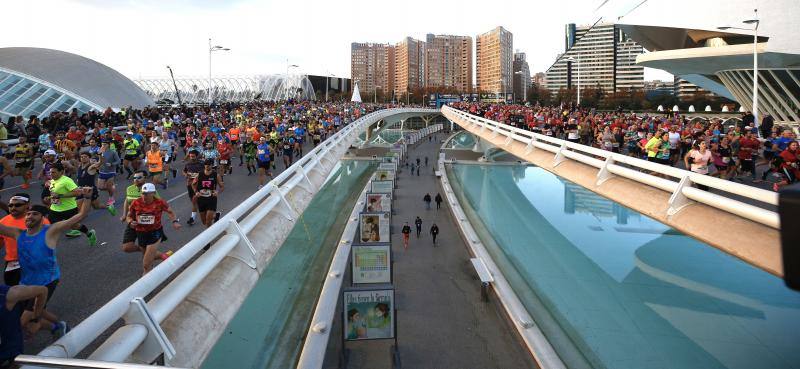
point(522, 77)
point(448, 62)
point(409, 71)
point(372, 66)
point(602, 56)
point(494, 56)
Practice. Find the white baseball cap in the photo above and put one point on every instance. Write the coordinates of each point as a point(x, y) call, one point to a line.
point(148, 188)
point(50, 152)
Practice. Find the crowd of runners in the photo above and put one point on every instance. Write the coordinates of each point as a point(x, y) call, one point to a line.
point(737, 151)
point(70, 164)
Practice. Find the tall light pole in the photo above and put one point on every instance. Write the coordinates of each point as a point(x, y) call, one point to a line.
point(754, 22)
point(500, 90)
point(327, 78)
point(177, 93)
point(578, 66)
point(210, 50)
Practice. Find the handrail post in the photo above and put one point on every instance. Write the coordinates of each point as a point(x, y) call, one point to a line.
point(157, 341)
point(530, 147)
point(244, 249)
point(288, 211)
point(604, 175)
point(678, 200)
point(560, 155)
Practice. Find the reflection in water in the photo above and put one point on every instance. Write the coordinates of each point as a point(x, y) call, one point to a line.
point(624, 290)
point(463, 140)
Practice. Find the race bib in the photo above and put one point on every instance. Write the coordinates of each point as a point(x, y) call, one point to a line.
point(223, 162)
point(12, 265)
point(726, 160)
point(145, 219)
point(193, 175)
point(261, 152)
point(152, 165)
point(204, 192)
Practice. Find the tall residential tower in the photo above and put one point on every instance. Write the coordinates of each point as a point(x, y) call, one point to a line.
point(372, 66)
point(448, 62)
point(494, 55)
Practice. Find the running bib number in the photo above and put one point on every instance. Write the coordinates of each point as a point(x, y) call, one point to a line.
point(726, 160)
point(193, 175)
point(223, 162)
point(153, 165)
point(12, 265)
point(261, 152)
point(204, 192)
point(146, 219)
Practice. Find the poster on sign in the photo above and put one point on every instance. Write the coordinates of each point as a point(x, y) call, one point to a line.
point(381, 186)
point(374, 227)
point(368, 314)
point(377, 202)
point(384, 175)
point(387, 166)
point(371, 264)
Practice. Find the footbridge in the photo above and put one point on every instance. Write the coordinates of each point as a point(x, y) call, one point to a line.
point(738, 219)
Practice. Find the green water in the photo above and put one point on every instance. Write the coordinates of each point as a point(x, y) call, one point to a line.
point(269, 329)
point(612, 288)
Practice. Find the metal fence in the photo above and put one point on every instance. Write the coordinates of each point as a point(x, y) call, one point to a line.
point(610, 164)
point(142, 318)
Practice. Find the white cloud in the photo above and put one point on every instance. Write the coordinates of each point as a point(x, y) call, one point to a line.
point(139, 38)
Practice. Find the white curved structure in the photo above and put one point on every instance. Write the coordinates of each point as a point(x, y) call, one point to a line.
point(264, 87)
point(36, 81)
point(693, 47)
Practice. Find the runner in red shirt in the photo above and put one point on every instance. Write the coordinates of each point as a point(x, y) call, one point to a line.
point(144, 216)
point(225, 152)
point(748, 149)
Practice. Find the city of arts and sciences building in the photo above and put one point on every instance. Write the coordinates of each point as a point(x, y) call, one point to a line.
point(549, 253)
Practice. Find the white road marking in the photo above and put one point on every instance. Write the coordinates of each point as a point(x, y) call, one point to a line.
point(177, 197)
point(18, 186)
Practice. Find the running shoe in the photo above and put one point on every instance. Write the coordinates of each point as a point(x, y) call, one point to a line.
point(112, 210)
point(190, 221)
point(25, 186)
point(72, 233)
point(92, 236)
point(61, 328)
point(166, 255)
point(217, 215)
point(110, 201)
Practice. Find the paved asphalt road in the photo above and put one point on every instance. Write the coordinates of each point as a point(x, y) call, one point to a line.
point(91, 276)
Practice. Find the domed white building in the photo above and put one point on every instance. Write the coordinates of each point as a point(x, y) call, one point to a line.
point(36, 81)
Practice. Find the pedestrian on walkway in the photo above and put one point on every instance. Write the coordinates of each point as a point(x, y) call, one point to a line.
point(426, 161)
point(438, 201)
point(406, 233)
point(417, 169)
point(434, 232)
point(427, 200)
point(418, 223)
point(412, 168)
point(417, 162)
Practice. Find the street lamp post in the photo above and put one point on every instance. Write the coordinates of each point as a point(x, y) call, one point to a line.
point(577, 65)
point(286, 79)
point(327, 78)
point(177, 93)
point(754, 22)
point(210, 50)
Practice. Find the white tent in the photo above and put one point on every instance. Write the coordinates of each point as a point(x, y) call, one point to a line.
point(356, 94)
point(741, 109)
point(675, 108)
point(661, 108)
point(725, 108)
point(691, 108)
point(708, 107)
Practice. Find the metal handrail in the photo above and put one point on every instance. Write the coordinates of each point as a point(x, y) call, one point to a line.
point(610, 164)
point(256, 207)
point(60, 362)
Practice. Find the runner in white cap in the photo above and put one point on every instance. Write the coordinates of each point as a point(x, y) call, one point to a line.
point(144, 216)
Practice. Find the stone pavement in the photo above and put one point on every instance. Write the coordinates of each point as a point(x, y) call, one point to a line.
point(442, 322)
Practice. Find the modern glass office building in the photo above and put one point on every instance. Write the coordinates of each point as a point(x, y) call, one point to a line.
point(35, 81)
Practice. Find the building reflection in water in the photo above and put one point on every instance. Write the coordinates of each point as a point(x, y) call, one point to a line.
point(580, 200)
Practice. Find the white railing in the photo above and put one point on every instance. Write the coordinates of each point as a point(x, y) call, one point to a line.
point(313, 353)
point(416, 136)
point(142, 318)
point(637, 170)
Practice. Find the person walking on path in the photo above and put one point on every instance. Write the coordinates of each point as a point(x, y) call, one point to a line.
point(417, 169)
point(418, 223)
point(426, 161)
point(406, 233)
point(427, 200)
point(438, 201)
point(434, 232)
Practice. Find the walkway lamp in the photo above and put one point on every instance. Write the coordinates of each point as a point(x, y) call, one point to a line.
point(211, 49)
point(578, 66)
point(753, 22)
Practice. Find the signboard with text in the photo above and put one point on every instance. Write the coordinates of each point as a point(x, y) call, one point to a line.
point(368, 313)
point(374, 227)
point(381, 186)
point(372, 264)
point(376, 202)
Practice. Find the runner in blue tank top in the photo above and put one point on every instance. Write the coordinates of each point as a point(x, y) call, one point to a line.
point(36, 246)
point(11, 306)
